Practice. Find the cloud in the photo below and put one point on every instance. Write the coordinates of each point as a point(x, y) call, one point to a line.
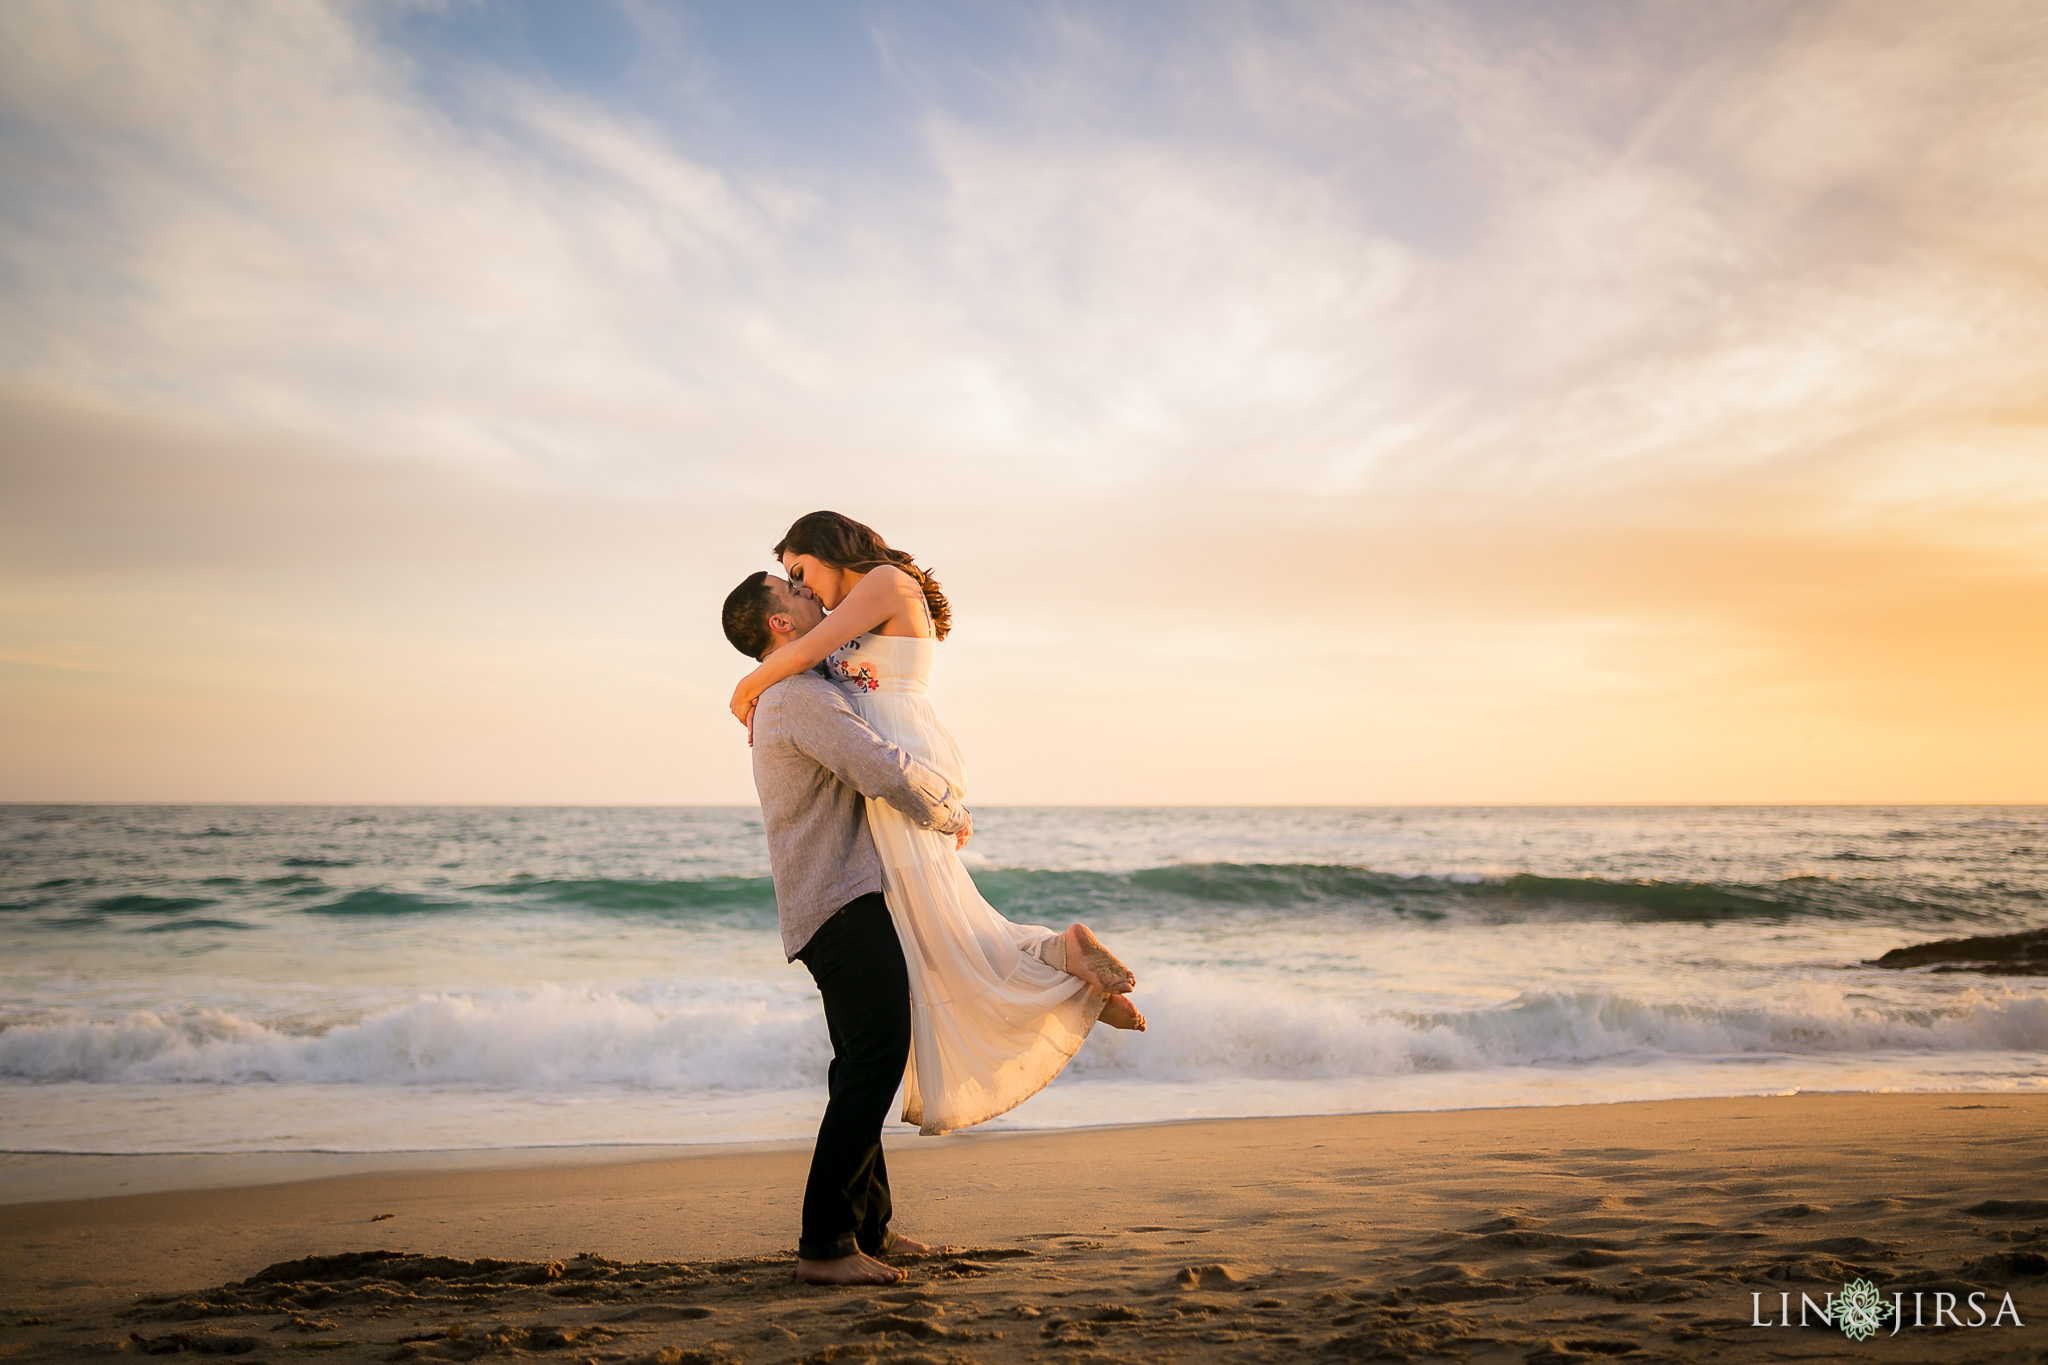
point(282, 228)
point(1501, 371)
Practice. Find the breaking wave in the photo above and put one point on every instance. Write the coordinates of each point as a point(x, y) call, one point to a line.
point(1202, 1029)
point(1217, 890)
point(1522, 895)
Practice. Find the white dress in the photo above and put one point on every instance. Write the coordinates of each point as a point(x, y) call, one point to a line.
point(991, 1021)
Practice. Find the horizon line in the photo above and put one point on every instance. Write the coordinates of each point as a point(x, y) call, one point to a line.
point(1000, 805)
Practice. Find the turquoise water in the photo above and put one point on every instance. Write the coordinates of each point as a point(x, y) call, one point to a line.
point(368, 979)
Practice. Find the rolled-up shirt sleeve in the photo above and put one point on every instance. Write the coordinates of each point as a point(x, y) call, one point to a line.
point(824, 726)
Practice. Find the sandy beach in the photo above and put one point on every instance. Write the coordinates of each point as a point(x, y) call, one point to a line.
point(1649, 1231)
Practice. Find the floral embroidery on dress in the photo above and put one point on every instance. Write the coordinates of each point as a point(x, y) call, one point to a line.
point(860, 677)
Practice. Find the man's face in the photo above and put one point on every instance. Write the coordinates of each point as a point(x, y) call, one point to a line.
point(796, 603)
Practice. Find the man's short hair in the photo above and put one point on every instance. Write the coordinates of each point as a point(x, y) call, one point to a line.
point(747, 609)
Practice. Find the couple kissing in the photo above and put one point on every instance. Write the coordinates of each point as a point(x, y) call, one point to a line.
point(861, 788)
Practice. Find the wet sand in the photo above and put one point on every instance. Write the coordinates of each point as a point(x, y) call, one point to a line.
point(1639, 1232)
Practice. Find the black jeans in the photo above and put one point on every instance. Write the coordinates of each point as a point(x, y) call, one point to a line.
point(858, 964)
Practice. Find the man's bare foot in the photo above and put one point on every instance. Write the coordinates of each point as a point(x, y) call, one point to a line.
point(854, 1269)
point(1095, 964)
point(900, 1245)
point(1121, 1013)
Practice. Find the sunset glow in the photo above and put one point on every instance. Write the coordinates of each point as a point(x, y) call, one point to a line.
point(1316, 404)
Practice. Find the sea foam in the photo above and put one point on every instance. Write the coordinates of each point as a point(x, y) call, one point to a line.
point(197, 979)
point(1202, 1029)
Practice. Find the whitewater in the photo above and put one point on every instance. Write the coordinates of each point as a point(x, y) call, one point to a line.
point(221, 979)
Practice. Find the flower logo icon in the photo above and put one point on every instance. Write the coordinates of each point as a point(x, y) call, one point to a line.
point(1860, 1310)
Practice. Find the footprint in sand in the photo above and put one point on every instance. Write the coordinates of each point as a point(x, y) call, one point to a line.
point(662, 1313)
point(1208, 1277)
point(2007, 1265)
point(2010, 1208)
point(1453, 1284)
point(1558, 1351)
point(1853, 1246)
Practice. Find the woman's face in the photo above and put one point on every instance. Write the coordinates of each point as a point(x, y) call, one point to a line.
point(822, 581)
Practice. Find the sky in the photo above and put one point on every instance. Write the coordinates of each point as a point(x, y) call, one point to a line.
point(1361, 403)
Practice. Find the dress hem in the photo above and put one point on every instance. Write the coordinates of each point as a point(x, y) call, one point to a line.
point(1100, 1002)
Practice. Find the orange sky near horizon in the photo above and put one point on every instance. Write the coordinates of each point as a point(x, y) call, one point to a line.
point(1349, 405)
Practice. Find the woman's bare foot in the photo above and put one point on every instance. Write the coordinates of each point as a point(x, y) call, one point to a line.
point(854, 1269)
point(1095, 964)
point(1121, 1013)
point(899, 1245)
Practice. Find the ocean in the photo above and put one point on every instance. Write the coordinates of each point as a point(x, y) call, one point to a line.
point(364, 979)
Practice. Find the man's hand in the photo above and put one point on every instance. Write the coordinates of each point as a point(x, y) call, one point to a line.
point(966, 832)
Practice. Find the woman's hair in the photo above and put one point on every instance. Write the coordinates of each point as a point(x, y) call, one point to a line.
point(844, 543)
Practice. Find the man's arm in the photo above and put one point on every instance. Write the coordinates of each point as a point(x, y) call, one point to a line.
point(820, 723)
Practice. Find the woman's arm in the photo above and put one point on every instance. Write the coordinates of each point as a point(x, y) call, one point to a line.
point(874, 600)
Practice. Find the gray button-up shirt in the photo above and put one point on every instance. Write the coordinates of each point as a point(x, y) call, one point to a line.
point(814, 761)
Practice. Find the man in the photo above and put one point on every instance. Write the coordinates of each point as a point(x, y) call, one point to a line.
point(814, 762)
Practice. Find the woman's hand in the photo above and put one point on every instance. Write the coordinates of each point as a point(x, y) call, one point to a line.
point(744, 698)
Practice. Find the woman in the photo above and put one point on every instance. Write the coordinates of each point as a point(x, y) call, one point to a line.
point(997, 1009)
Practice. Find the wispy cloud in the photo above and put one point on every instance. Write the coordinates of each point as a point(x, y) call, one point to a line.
point(1500, 371)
